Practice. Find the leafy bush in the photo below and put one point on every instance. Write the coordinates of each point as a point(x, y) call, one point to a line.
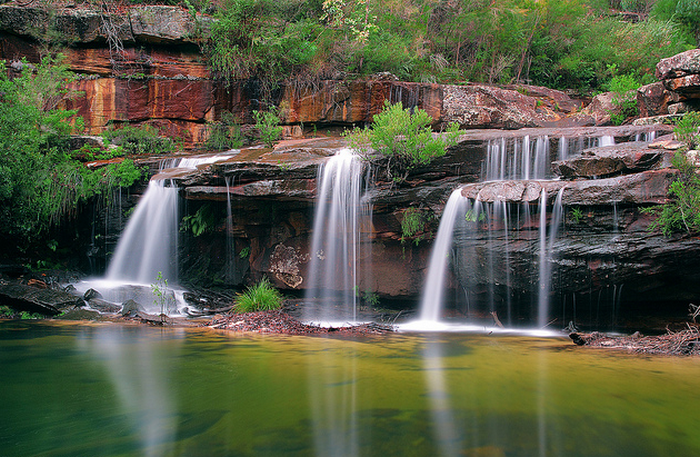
point(687, 129)
point(201, 221)
point(682, 213)
point(260, 297)
point(413, 225)
point(225, 133)
point(404, 135)
point(624, 90)
point(140, 140)
point(267, 125)
point(41, 182)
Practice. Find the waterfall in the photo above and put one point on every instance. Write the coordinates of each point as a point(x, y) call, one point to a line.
point(336, 242)
point(434, 288)
point(230, 246)
point(149, 242)
point(546, 249)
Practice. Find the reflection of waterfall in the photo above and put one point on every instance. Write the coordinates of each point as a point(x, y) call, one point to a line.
point(139, 375)
point(445, 428)
point(339, 218)
point(434, 288)
point(333, 395)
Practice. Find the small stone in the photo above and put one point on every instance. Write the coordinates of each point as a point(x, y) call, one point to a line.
point(669, 145)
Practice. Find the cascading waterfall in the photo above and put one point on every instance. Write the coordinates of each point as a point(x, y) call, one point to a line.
point(230, 247)
point(148, 245)
point(340, 214)
point(149, 242)
point(434, 288)
point(546, 248)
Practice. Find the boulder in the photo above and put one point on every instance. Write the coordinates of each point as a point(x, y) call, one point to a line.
point(164, 24)
point(653, 100)
point(103, 306)
point(683, 64)
point(132, 308)
point(598, 111)
point(686, 86)
point(44, 301)
point(485, 106)
point(609, 161)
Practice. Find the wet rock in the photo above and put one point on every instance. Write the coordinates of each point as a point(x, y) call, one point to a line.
point(610, 161)
point(103, 306)
point(132, 308)
point(285, 265)
point(79, 315)
point(44, 301)
point(90, 294)
point(164, 24)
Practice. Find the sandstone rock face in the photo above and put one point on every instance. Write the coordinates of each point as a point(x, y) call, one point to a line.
point(683, 64)
point(653, 100)
point(609, 161)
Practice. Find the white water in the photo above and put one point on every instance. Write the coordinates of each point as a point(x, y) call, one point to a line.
point(546, 249)
point(340, 214)
point(434, 288)
point(148, 246)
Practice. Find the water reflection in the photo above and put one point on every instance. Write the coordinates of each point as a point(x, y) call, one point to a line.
point(333, 402)
point(444, 426)
point(140, 376)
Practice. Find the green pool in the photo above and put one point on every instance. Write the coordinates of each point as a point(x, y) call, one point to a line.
point(109, 390)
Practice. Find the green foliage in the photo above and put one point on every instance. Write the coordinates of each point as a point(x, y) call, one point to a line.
point(225, 133)
point(136, 140)
point(473, 216)
point(682, 213)
point(267, 125)
point(413, 226)
point(41, 181)
point(404, 135)
point(161, 296)
point(684, 13)
point(6, 312)
point(624, 90)
point(576, 215)
point(201, 221)
point(245, 252)
point(260, 297)
point(25, 315)
point(687, 129)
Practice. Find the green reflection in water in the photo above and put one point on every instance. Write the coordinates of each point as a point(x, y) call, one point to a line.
point(107, 390)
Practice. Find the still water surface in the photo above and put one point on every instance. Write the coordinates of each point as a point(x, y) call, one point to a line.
point(108, 390)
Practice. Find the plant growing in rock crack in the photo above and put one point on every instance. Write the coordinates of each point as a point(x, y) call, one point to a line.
point(413, 225)
point(576, 215)
point(682, 212)
point(267, 124)
point(260, 297)
point(404, 136)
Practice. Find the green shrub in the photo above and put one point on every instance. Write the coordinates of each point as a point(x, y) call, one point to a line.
point(201, 221)
point(41, 181)
point(413, 225)
point(682, 213)
point(225, 133)
point(404, 135)
point(141, 140)
point(624, 90)
point(687, 129)
point(267, 125)
point(260, 297)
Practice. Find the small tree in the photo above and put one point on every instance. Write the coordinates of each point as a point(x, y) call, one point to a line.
point(267, 124)
point(405, 137)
